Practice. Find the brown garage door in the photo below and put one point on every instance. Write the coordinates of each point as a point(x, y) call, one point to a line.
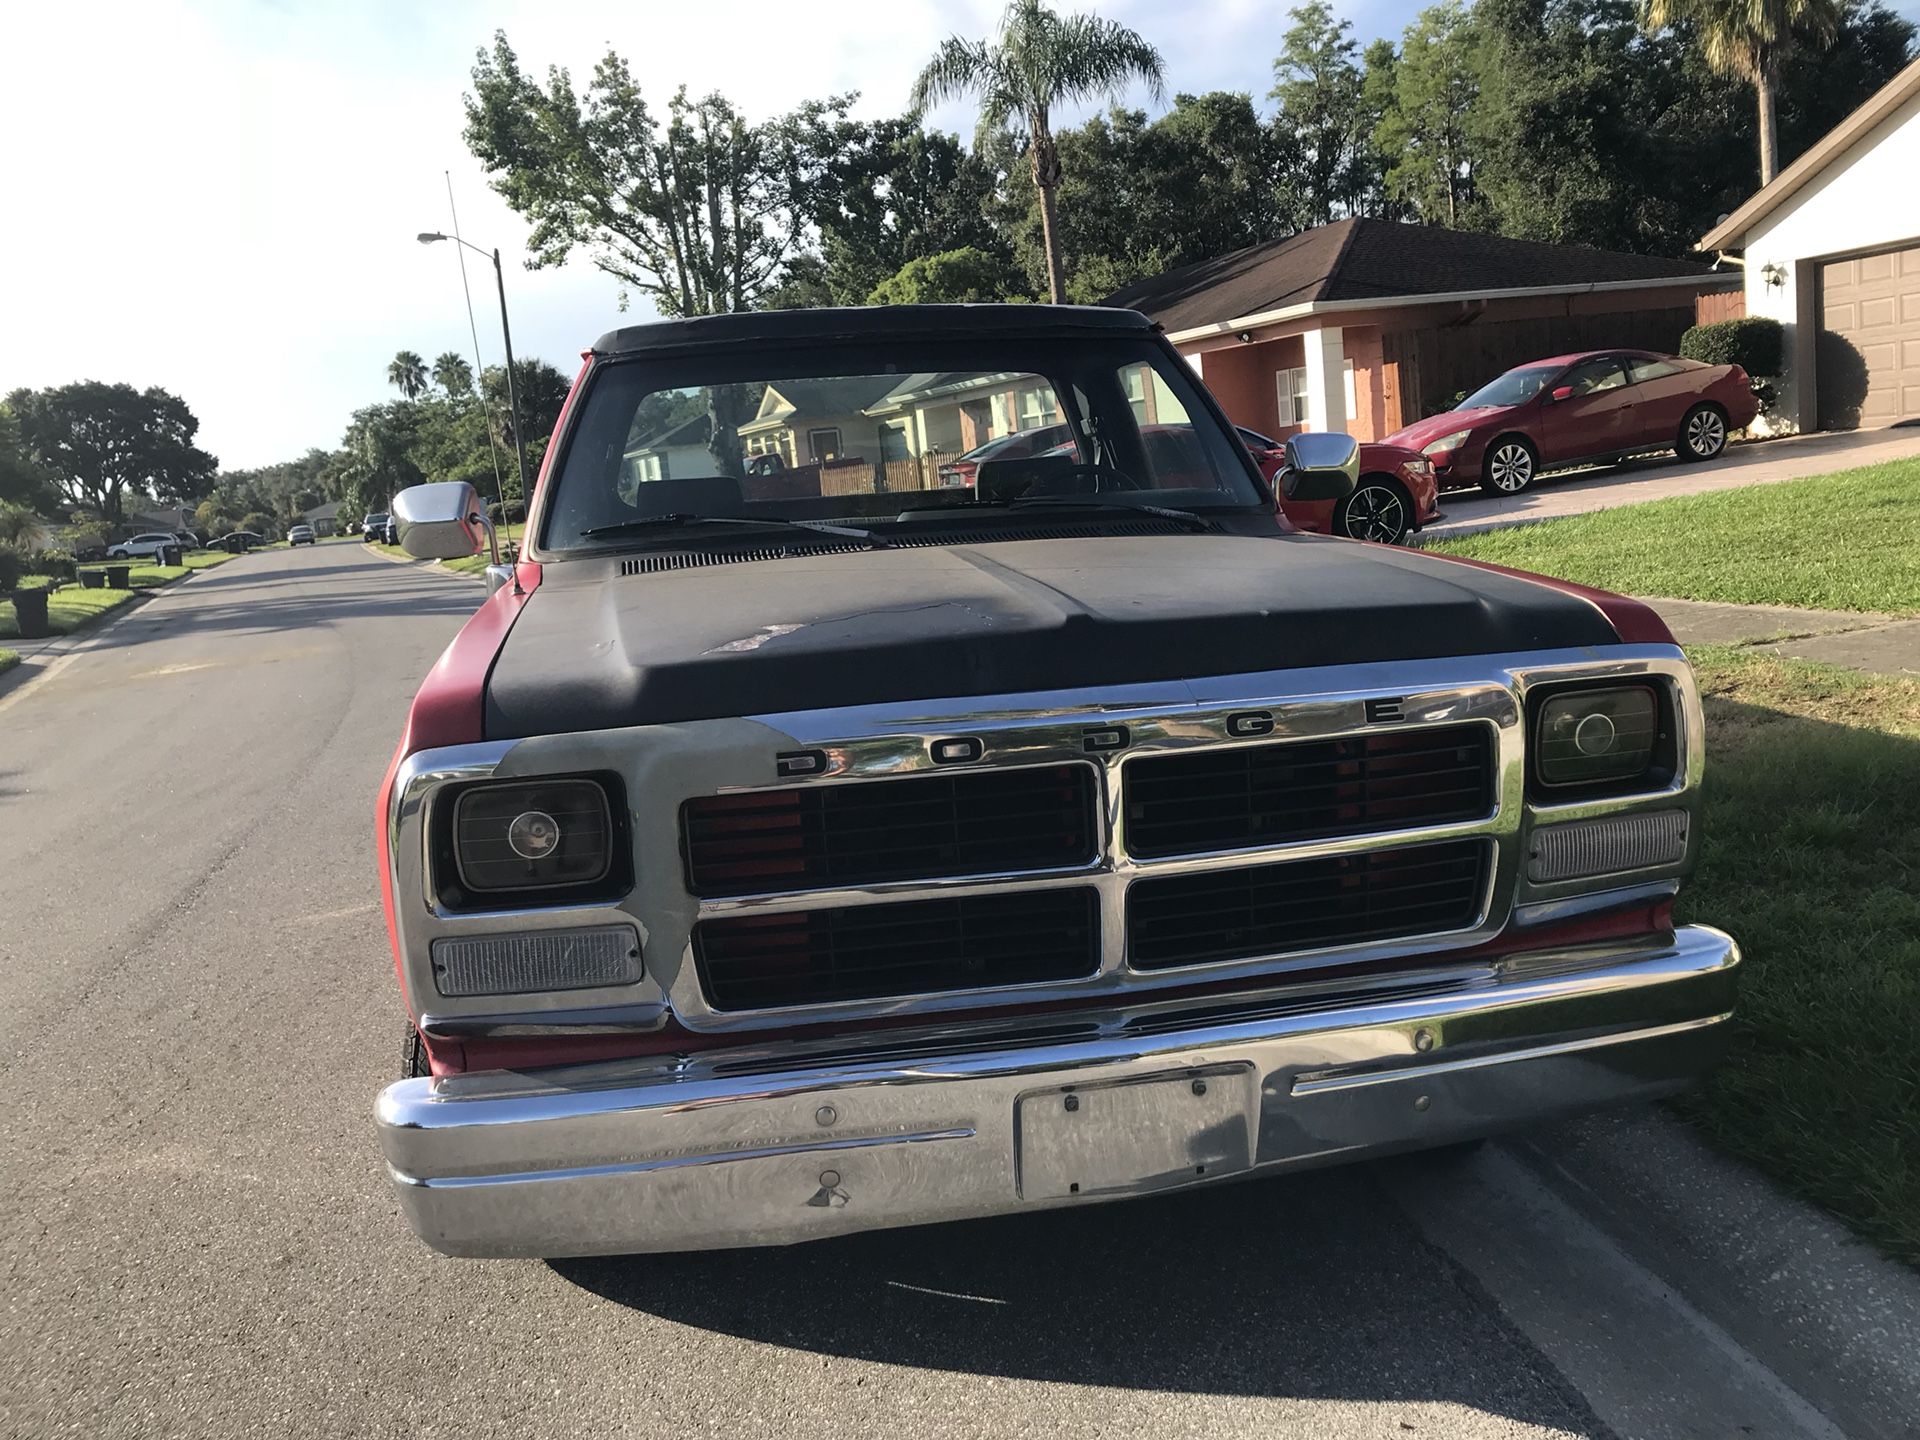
point(1869, 357)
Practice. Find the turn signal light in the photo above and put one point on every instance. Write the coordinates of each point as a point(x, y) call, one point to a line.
point(1609, 846)
point(542, 960)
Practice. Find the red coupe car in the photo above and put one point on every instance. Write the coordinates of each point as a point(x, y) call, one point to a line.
point(1583, 409)
point(1397, 493)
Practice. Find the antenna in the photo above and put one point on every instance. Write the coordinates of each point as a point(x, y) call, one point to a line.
point(479, 369)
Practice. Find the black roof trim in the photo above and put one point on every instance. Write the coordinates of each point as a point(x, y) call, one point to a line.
point(870, 322)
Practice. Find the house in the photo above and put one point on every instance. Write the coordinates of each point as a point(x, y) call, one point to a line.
point(679, 451)
point(1831, 249)
point(818, 421)
point(1368, 325)
point(325, 519)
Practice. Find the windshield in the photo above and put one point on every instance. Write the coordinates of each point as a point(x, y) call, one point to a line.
point(1513, 388)
point(870, 433)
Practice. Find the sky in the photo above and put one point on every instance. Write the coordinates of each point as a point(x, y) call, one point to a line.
point(221, 196)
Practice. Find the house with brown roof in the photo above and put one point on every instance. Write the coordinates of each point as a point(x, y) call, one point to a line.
point(1369, 325)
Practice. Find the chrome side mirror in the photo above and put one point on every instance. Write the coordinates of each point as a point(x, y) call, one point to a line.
point(1321, 465)
point(445, 521)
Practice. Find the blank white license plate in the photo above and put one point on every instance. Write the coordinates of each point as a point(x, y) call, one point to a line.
point(1135, 1136)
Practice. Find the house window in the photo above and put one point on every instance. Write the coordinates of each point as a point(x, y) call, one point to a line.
point(1134, 377)
point(1037, 408)
point(1293, 395)
point(1353, 405)
point(825, 444)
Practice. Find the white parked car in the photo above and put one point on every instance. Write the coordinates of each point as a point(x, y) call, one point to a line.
point(148, 545)
point(300, 535)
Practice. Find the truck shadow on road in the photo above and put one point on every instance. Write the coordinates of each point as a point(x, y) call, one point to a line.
point(1312, 1286)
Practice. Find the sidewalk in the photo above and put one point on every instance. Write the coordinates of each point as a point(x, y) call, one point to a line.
point(1884, 644)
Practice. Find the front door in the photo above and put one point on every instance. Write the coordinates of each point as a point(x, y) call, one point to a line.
point(1595, 418)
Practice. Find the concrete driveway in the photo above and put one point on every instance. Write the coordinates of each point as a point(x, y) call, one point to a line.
point(1760, 463)
point(197, 1007)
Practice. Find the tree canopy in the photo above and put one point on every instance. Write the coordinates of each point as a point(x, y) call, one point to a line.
point(100, 443)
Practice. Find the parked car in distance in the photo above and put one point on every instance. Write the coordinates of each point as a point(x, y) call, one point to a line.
point(1395, 495)
point(963, 472)
point(187, 538)
point(237, 541)
point(374, 527)
point(758, 871)
point(1590, 408)
point(149, 545)
point(300, 535)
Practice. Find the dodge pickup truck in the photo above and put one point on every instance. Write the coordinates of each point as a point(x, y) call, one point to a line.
point(760, 870)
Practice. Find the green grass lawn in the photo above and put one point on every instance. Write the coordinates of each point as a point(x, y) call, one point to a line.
point(8, 659)
point(67, 609)
point(1849, 541)
point(1812, 860)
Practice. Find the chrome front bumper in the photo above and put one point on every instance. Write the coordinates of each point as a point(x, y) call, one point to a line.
point(759, 1149)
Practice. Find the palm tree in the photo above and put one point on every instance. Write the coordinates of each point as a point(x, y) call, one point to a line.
point(1041, 59)
point(1750, 38)
point(407, 374)
point(453, 374)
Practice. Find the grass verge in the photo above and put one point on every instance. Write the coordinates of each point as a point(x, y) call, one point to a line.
point(1812, 860)
point(8, 659)
point(1848, 541)
point(67, 609)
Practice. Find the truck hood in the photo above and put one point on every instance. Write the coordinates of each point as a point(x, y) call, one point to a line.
point(597, 649)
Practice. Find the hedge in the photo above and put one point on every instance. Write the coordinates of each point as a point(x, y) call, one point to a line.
point(1756, 344)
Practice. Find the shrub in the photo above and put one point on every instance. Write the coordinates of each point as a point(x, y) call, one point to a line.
point(56, 565)
point(13, 565)
point(507, 512)
point(19, 526)
point(1756, 344)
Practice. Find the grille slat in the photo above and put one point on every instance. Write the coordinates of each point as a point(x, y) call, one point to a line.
point(971, 823)
point(873, 952)
point(1305, 904)
point(1307, 789)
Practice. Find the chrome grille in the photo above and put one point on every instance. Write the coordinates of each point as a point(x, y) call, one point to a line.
point(1243, 796)
point(971, 822)
point(869, 952)
point(1305, 904)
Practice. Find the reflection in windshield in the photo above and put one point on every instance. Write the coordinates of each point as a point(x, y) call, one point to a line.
point(887, 440)
point(1513, 388)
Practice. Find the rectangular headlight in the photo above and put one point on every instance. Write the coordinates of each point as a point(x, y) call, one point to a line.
point(1607, 846)
point(532, 835)
point(1595, 737)
point(539, 960)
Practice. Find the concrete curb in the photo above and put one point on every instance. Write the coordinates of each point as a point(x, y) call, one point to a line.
point(425, 567)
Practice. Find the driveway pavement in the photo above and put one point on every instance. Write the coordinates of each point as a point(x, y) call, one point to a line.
point(1760, 463)
point(196, 1236)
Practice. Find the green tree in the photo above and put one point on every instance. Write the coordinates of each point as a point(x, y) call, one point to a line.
point(699, 212)
point(100, 442)
point(1042, 59)
point(1425, 129)
point(1323, 122)
point(542, 391)
point(408, 374)
point(22, 482)
point(963, 276)
point(453, 374)
point(1751, 39)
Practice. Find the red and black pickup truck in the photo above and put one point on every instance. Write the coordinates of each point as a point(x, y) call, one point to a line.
point(766, 869)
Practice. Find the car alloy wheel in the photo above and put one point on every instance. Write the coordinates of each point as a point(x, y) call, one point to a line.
point(1376, 513)
point(1706, 433)
point(1510, 467)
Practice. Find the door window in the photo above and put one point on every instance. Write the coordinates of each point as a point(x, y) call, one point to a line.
point(1595, 377)
point(1647, 367)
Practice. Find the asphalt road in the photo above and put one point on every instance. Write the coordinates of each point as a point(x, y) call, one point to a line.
point(196, 1238)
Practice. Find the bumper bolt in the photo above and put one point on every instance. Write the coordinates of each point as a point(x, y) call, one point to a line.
point(1073, 1102)
point(825, 1116)
point(1423, 1102)
point(1423, 1039)
point(1199, 1087)
point(829, 1179)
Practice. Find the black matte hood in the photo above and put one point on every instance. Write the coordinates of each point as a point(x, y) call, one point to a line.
point(595, 649)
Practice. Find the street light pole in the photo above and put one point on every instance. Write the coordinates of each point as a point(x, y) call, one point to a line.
point(429, 237)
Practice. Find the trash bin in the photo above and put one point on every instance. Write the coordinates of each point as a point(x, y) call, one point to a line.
point(169, 554)
point(93, 579)
point(30, 614)
point(118, 578)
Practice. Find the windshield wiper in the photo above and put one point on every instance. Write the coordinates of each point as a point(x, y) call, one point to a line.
point(1089, 502)
point(678, 519)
